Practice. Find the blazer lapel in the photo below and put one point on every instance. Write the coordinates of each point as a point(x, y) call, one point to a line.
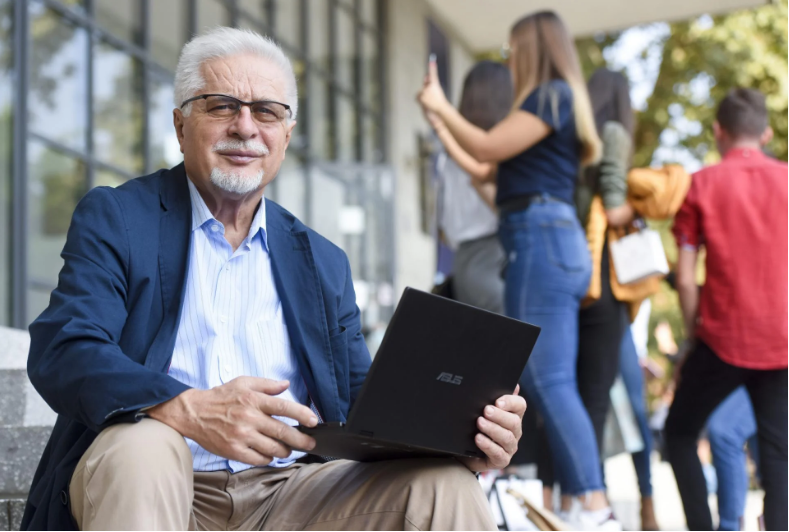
point(174, 244)
point(298, 285)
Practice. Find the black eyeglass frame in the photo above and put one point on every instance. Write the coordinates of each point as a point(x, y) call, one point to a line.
point(241, 102)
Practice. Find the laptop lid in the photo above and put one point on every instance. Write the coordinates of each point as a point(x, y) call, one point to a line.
point(440, 363)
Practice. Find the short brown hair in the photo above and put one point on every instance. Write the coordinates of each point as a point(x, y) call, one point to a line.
point(743, 113)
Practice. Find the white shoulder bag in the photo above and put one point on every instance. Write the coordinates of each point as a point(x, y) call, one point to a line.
point(638, 256)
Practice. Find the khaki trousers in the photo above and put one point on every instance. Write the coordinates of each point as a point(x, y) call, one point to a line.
point(139, 477)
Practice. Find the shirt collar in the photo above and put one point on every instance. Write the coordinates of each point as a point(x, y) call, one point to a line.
point(744, 153)
point(201, 214)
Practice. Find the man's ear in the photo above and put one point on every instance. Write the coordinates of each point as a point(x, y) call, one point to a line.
point(718, 131)
point(766, 137)
point(178, 122)
point(288, 132)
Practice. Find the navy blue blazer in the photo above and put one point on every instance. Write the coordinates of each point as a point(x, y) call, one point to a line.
point(100, 352)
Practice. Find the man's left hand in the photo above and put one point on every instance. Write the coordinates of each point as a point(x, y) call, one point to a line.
point(500, 430)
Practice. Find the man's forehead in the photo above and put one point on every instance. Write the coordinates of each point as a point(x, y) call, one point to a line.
point(244, 76)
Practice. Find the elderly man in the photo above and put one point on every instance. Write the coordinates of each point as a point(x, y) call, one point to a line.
point(195, 323)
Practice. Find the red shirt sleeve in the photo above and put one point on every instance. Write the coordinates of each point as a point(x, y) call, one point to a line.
point(687, 223)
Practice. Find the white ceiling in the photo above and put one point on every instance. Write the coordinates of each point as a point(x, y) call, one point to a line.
point(484, 24)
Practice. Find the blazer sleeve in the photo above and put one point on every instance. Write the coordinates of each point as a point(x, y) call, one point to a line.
point(75, 362)
point(349, 317)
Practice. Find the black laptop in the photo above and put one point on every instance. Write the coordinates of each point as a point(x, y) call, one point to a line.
point(440, 363)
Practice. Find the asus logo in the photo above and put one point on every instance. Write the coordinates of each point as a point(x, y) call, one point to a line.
point(451, 379)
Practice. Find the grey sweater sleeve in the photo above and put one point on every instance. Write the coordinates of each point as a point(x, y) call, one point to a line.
point(614, 165)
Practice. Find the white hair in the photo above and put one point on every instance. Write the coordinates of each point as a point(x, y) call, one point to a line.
point(224, 42)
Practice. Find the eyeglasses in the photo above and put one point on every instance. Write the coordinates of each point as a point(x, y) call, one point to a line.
point(223, 106)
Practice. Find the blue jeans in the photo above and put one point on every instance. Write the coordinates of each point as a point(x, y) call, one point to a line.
point(547, 275)
point(728, 428)
point(633, 377)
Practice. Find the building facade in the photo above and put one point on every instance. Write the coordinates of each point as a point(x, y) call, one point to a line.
point(86, 99)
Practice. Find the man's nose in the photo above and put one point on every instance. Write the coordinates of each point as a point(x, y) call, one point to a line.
point(244, 126)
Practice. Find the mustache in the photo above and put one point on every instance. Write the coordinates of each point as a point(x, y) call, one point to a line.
point(247, 145)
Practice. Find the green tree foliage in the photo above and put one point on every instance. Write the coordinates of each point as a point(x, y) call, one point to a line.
point(702, 59)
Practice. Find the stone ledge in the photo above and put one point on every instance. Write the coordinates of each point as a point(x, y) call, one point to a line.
point(20, 451)
point(11, 511)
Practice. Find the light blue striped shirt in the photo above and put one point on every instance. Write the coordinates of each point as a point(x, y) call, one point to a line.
point(231, 323)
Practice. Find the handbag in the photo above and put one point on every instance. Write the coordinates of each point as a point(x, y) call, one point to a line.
point(638, 256)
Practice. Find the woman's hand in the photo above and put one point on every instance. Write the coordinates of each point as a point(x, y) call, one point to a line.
point(435, 121)
point(620, 216)
point(432, 97)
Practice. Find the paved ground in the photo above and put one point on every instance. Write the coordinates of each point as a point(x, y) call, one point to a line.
point(625, 498)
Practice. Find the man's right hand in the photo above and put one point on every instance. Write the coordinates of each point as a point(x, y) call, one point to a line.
point(235, 420)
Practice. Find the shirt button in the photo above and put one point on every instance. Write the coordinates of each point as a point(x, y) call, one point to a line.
point(227, 368)
point(227, 268)
point(223, 319)
point(215, 228)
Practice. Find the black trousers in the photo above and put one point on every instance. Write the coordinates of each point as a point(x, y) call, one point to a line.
point(600, 329)
point(705, 382)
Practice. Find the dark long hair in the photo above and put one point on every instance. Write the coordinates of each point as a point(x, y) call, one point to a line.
point(487, 94)
point(610, 96)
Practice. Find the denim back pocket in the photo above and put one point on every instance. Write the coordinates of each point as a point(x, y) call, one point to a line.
point(565, 245)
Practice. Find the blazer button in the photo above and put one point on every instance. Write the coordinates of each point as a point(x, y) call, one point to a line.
point(64, 498)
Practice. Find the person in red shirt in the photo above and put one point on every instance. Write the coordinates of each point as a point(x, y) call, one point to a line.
point(736, 210)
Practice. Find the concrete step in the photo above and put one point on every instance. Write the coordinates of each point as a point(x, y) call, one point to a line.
point(11, 511)
point(20, 450)
point(26, 422)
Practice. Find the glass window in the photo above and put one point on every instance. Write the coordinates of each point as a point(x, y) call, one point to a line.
point(255, 8)
point(168, 27)
point(211, 13)
point(121, 18)
point(346, 129)
point(57, 100)
point(37, 302)
point(319, 117)
point(318, 35)
point(369, 12)
point(346, 50)
point(118, 118)
point(328, 199)
point(288, 22)
point(165, 151)
point(75, 5)
point(6, 147)
point(56, 182)
point(371, 79)
point(371, 145)
point(108, 178)
point(290, 187)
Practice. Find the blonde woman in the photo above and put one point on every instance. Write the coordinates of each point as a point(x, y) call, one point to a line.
point(540, 148)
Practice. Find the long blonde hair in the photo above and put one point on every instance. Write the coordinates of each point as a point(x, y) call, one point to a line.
point(543, 51)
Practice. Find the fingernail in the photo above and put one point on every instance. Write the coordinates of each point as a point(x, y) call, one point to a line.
point(313, 420)
point(483, 420)
point(501, 404)
point(489, 411)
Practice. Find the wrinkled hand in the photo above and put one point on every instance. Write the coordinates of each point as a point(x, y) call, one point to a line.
point(432, 96)
point(501, 429)
point(236, 420)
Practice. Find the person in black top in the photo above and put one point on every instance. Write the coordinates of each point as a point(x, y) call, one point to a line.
point(540, 148)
